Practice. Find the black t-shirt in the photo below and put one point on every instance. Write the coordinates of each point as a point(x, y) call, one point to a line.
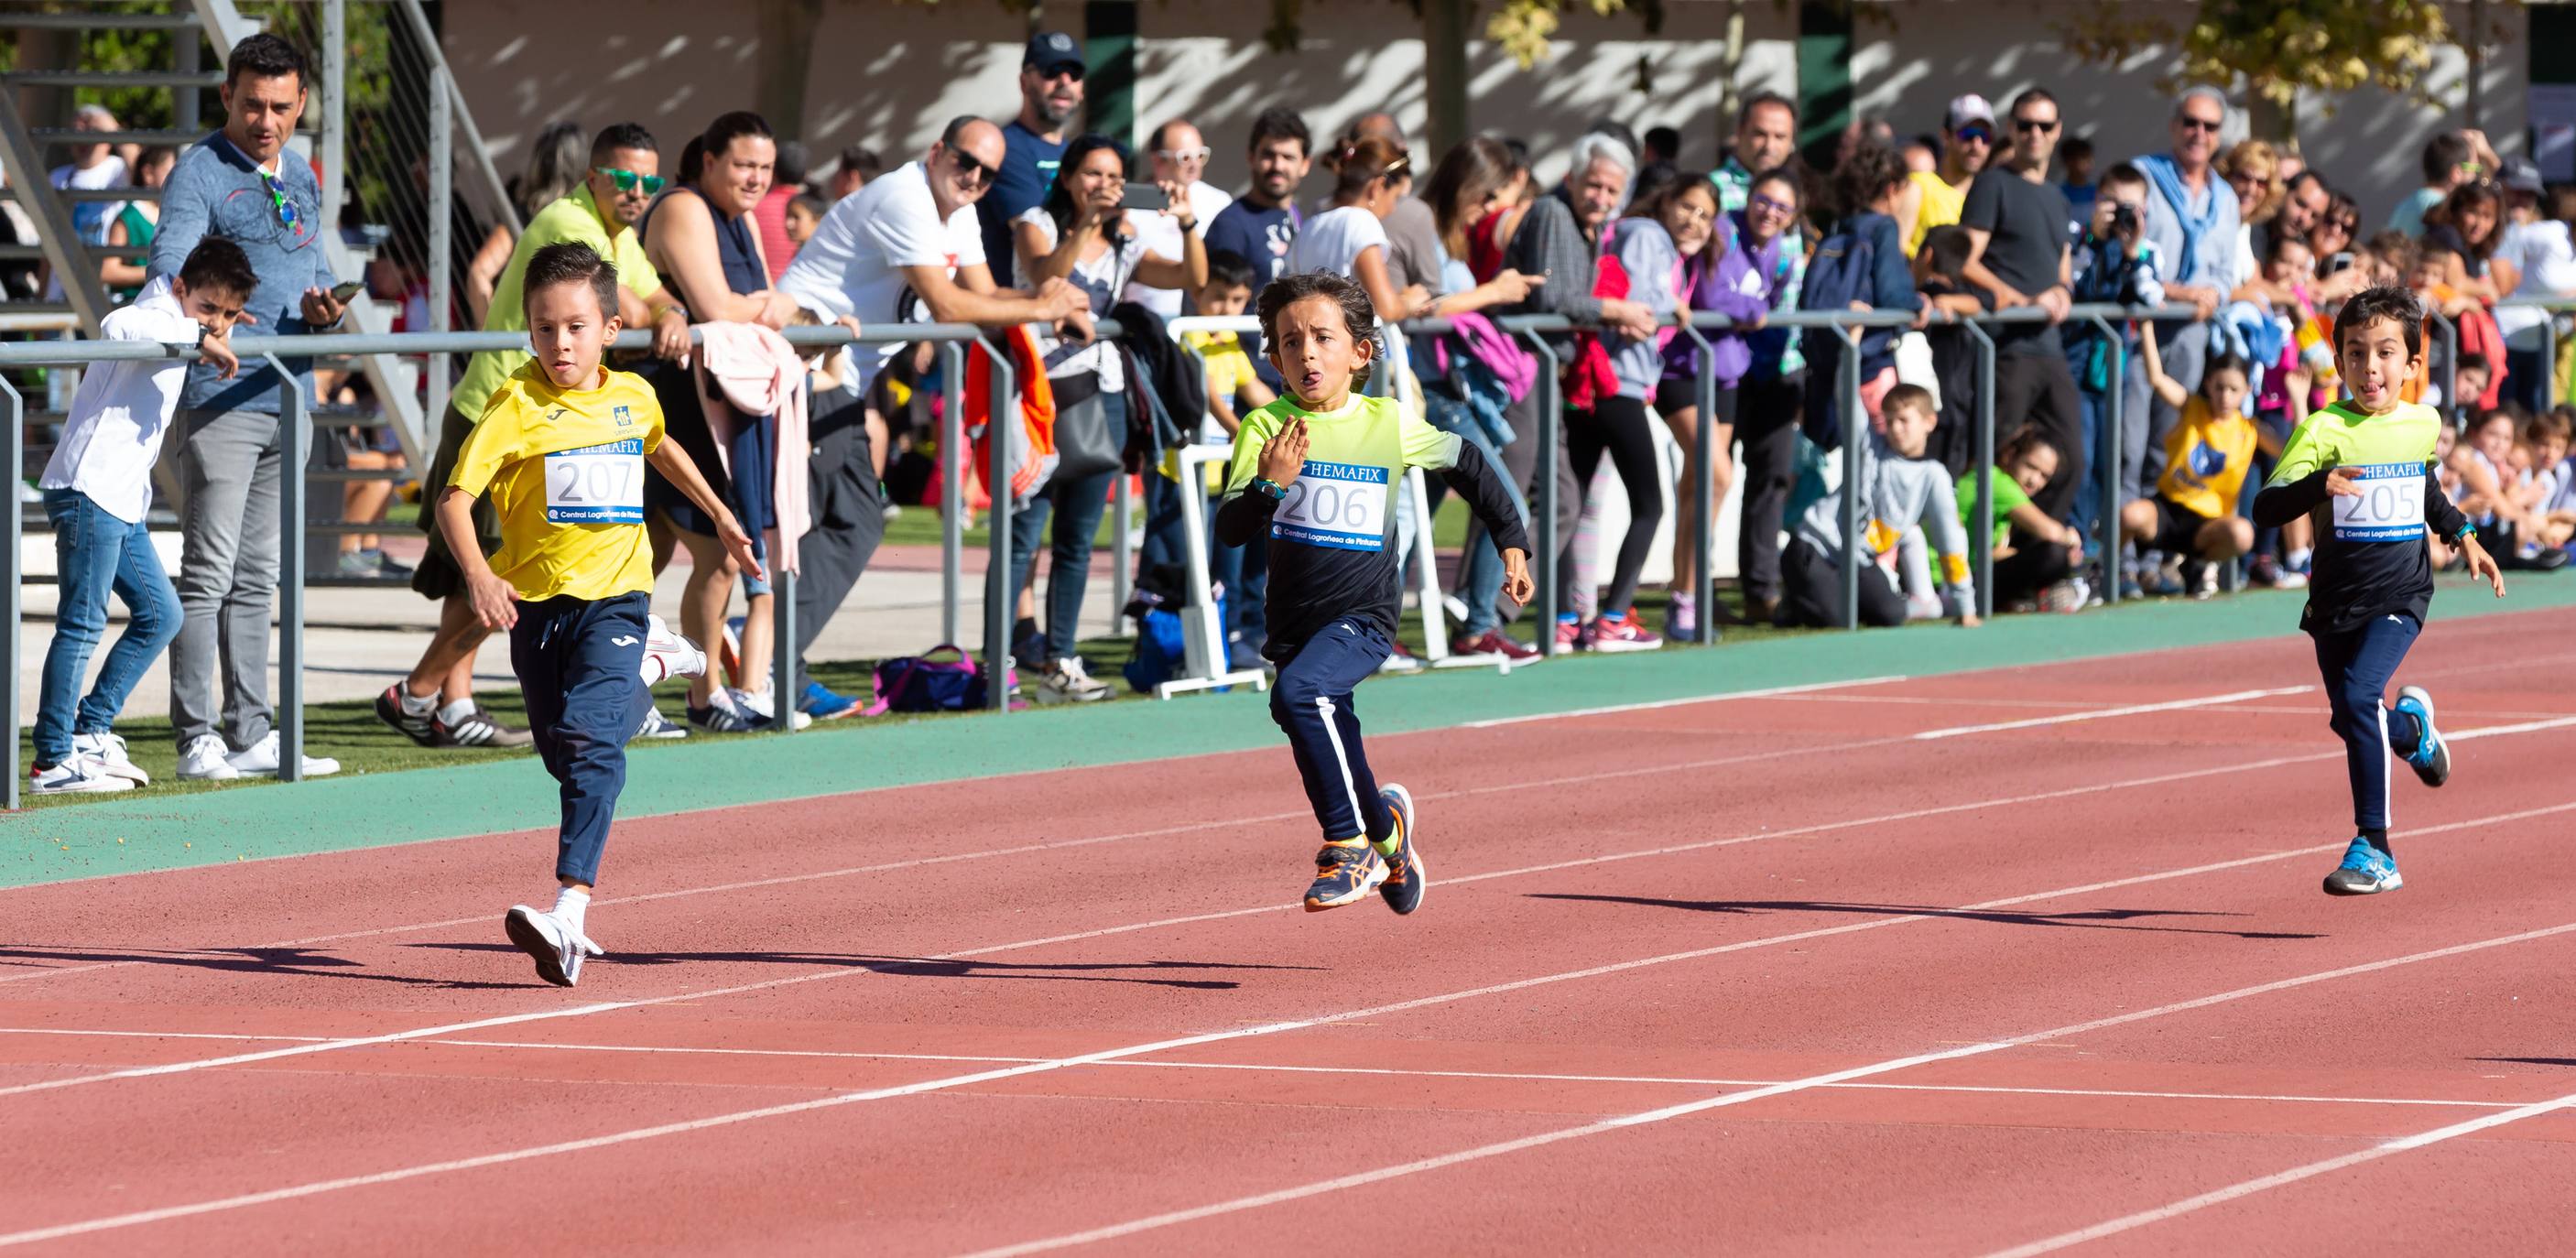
point(2033, 227)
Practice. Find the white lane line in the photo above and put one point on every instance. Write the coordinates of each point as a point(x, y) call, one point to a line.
point(2248, 1188)
point(1768, 692)
point(1670, 1112)
point(2134, 709)
point(1109, 1055)
point(1507, 1076)
point(2499, 731)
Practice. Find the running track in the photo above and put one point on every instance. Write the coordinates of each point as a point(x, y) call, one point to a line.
point(1998, 962)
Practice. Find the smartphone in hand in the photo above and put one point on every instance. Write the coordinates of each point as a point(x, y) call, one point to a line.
point(341, 293)
point(1144, 196)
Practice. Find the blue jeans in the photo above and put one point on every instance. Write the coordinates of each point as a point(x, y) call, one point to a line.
point(97, 554)
point(578, 663)
point(2356, 667)
point(1077, 506)
point(1480, 566)
point(1311, 701)
point(2087, 508)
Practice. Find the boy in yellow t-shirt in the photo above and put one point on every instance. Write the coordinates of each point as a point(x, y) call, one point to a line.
point(2192, 515)
point(560, 451)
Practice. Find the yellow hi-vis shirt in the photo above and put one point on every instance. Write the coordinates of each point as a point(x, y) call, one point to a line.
point(2206, 458)
point(565, 471)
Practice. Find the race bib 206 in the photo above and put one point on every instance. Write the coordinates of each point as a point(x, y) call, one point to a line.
point(2390, 507)
point(601, 484)
point(1341, 505)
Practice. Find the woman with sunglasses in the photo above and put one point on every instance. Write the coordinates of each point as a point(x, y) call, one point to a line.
point(2253, 170)
point(701, 237)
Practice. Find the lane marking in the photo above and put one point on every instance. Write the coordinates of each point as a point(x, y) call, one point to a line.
point(1768, 692)
point(1506, 1076)
point(1649, 1117)
point(2134, 709)
point(2248, 1188)
point(1109, 1055)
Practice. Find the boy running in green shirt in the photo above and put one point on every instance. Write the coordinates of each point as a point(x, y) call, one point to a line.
point(2362, 468)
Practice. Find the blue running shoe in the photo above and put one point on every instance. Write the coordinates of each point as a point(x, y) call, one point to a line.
point(2365, 871)
point(1405, 879)
point(1345, 871)
point(2432, 756)
point(825, 705)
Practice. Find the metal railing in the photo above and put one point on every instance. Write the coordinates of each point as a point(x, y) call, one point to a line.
point(1535, 332)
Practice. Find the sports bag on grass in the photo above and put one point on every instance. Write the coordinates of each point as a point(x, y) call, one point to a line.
point(943, 679)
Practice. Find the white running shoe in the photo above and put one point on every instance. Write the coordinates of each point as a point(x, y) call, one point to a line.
point(206, 759)
point(78, 774)
point(260, 760)
point(764, 704)
point(667, 654)
point(108, 752)
point(557, 949)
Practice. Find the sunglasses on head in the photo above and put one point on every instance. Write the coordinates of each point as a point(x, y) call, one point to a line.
point(277, 199)
point(628, 181)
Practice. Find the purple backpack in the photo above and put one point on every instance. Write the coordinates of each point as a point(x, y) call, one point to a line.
point(943, 679)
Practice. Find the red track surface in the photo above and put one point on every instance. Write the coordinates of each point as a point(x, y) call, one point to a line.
point(1762, 975)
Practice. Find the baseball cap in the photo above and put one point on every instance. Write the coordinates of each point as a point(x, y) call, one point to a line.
point(1967, 109)
point(2519, 175)
point(1050, 51)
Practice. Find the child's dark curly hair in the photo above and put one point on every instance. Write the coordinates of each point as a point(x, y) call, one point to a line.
point(2388, 301)
point(1357, 313)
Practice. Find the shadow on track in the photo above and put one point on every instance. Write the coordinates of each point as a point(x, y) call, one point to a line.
point(929, 967)
point(2094, 919)
point(283, 962)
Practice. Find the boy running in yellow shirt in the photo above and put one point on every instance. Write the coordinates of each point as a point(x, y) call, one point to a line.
point(560, 451)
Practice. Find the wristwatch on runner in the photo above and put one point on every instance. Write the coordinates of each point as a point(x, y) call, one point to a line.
point(1270, 488)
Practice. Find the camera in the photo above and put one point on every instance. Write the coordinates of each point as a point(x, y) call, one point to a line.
point(2124, 221)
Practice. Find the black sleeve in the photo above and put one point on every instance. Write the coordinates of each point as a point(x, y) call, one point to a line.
point(1244, 517)
point(1477, 480)
point(2439, 514)
point(2279, 504)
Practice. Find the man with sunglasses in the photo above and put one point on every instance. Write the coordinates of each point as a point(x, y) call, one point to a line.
point(2192, 219)
point(2021, 238)
point(1033, 143)
point(435, 706)
point(1179, 155)
point(1934, 198)
point(240, 183)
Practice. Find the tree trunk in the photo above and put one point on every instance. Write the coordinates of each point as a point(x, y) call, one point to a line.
point(1444, 75)
point(2276, 123)
point(786, 30)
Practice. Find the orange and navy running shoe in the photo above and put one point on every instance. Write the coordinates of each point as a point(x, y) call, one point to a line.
point(1345, 870)
point(1402, 889)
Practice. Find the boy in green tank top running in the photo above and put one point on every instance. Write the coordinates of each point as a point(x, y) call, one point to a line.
point(1320, 472)
point(2362, 467)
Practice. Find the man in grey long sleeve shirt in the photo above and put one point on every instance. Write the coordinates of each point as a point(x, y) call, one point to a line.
point(241, 184)
point(2192, 220)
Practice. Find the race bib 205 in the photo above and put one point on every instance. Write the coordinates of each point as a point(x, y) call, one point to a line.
point(601, 484)
point(1341, 505)
point(2390, 507)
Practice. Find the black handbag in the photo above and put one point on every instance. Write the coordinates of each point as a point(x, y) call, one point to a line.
point(1085, 442)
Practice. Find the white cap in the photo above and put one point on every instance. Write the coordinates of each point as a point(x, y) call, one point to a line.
point(1967, 109)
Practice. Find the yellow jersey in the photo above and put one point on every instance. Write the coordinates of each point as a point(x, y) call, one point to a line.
point(2206, 458)
point(1942, 205)
point(564, 469)
point(573, 219)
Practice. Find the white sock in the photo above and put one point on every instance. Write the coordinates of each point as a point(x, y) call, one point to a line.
point(456, 711)
point(419, 705)
point(570, 904)
point(2299, 557)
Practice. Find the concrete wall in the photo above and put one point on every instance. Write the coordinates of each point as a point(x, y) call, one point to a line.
point(889, 74)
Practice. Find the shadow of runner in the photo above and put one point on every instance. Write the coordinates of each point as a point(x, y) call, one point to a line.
point(2530, 1061)
point(2094, 919)
point(926, 967)
point(298, 962)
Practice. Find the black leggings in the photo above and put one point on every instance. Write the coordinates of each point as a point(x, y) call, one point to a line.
point(1621, 427)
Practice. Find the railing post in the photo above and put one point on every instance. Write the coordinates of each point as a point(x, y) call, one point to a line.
point(1703, 488)
point(1122, 547)
point(952, 497)
point(441, 212)
point(2548, 359)
point(2450, 359)
point(1984, 533)
point(1855, 430)
point(1543, 494)
point(15, 439)
point(295, 440)
point(783, 655)
point(1001, 598)
point(2109, 471)
point(334, 120)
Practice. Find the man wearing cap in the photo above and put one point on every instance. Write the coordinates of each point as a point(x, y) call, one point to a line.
point(1050, 92)
point(2541, 255)
point(1933, 198)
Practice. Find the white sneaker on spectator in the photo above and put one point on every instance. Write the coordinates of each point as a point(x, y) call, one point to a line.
point(657, 725)
point(206, 759)
point(1923, 607)
point(107, 751)
point(764, 704)
point(2204, 585)
point(667, 654)
point(260, 759)
point(2069, 595)
point(76, 775)
point(1067, 681)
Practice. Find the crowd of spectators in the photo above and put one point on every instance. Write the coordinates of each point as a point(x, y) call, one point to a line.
point(1033, 227)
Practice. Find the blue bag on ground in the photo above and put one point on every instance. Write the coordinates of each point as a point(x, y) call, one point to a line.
point(943, 679)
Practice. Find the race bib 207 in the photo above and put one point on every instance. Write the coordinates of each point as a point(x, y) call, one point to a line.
point(2390, 507)
point(1340, 505)
point(601, 484)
